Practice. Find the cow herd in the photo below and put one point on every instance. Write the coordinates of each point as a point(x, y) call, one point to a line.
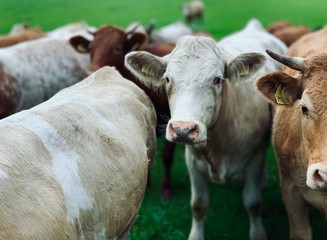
point(82, 108)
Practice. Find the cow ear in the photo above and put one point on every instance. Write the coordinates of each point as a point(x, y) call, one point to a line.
point(279, 88)
point(135, 41)
point(244, 65)
point(81, 44)
point(146, 67)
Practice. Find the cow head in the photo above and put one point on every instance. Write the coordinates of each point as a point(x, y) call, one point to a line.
point(306, 90)
point(109, 46)
point(194, 76)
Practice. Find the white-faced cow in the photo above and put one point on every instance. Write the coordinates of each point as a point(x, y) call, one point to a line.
point(216, 111)
point(299, 94)
point(108, 48)
point(33, 71)
point(75, 166)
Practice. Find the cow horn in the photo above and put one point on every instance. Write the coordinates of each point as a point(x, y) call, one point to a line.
point(295, 63)
point(150, 27)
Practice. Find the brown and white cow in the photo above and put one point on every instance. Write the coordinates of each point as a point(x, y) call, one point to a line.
point(299, 94)
point(75, 166)
point(193, 11)
point(216, 112)
point(108, 48)
point(32, 72)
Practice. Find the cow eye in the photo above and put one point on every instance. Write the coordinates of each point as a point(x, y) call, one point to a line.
point(305, 110)
point(217, 80)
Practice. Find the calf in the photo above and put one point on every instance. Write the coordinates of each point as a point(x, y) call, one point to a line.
point(109, 47)
point(299, 94)
point(75, 166)
point(216, 112)
point(33, 71)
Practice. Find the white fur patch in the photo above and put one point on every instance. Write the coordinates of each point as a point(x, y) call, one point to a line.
point(65, 162)
point(4, 175)
point(60, 102)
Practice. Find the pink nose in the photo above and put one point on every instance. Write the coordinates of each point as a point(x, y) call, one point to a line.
point(185, 132)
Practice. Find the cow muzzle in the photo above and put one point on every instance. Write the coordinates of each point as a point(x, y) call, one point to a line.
point(317, 176)
point(185, 132)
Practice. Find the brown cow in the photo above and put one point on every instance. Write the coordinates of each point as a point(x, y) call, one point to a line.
point(109, 47)
point(21, 36)
point(299, 94)
point(288, 33)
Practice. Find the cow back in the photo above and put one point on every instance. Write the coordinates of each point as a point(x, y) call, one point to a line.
point(78, 161)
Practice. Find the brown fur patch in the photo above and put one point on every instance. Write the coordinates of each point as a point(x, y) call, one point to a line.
point(9, 93)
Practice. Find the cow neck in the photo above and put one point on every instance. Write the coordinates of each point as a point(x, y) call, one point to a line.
point(224, 126)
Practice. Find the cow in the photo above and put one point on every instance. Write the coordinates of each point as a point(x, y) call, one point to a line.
point(75, 166)
point(298, 94)
point(169, 33)
point(23, 32)
point(216, 112)
point(108, 48)
point(33, 71)
point(21, 36)
point(193, 11)
point(18, 27)
point(288, 33)
point(72, 29)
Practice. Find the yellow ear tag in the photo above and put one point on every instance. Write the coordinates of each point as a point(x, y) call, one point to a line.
point(146, 71)
point(279, 97)
point(81, 48)
point(245, 71)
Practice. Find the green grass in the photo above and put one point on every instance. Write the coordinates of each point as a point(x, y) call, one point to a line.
point(157, 220)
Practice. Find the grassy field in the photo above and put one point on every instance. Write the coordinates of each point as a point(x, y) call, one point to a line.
point(160, 220)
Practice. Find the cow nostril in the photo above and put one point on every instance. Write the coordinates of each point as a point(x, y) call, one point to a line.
point(317, 177)
point(171, 130)
point(194, 131)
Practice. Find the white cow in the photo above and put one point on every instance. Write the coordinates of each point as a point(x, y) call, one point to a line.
point(32, 72)
point(216, 111)
point(170, 33)
point(73, 29)
point(75, 166)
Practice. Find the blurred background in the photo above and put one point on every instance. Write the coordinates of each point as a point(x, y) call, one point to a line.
point(171, 220)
